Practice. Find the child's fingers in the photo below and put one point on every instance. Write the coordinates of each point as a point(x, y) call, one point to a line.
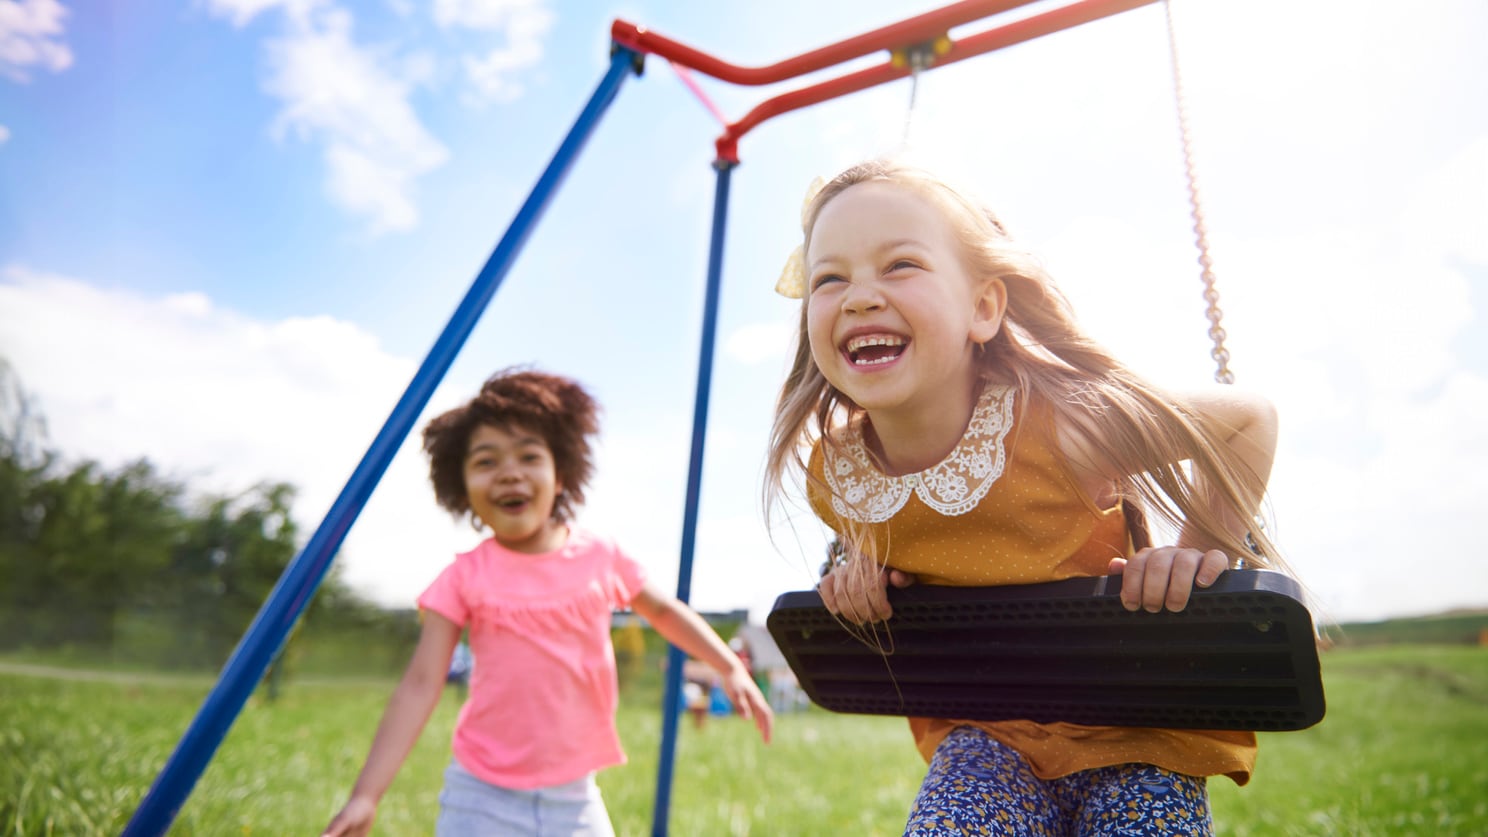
point(1182, 575)
point(764, 716)
point(1192, 568)
point(1213, 565)
point(828, 589)
point(901, 579)
point(837, 595)
point(741, 701)
point(1132, 570)
point(855, 595)
point(854, 608)
point(1157, 578)
point(750, 703)
point(1155, 575)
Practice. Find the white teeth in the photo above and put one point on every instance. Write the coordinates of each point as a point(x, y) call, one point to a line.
point(877, 340)
point(857, 344)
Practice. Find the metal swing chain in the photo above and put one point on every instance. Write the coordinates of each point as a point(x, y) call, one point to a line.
point(1219, 353)
point(919, 58)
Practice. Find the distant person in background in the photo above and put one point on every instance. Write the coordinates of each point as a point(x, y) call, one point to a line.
point(785, 691)
point(537, 597)
point(461, 662)
point(740, 645)
point(697, 684)
point(695, 701)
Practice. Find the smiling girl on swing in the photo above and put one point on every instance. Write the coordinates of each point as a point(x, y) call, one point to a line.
point(963, 430)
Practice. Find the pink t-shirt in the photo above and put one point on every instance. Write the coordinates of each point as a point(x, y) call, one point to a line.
point(543, 693)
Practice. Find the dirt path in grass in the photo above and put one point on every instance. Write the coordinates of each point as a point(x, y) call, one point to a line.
point(19, 669)
point(99, 676)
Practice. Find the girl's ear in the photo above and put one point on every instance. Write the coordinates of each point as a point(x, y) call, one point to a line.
point(989, 305)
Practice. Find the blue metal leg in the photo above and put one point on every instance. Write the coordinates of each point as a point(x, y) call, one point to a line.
point(245, 668)
point(675, 658)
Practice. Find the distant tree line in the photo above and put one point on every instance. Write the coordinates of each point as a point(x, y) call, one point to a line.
point(128, 564)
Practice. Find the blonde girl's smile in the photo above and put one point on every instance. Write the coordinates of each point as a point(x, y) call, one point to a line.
point(874, 349)
point(892, 312)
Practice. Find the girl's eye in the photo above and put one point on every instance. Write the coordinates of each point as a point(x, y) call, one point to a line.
point(824, 279)
point(902, 264)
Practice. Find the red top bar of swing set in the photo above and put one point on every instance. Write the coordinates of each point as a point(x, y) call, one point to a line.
point(914, 31)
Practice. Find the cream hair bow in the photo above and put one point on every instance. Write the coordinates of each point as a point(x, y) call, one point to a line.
point(792, 281)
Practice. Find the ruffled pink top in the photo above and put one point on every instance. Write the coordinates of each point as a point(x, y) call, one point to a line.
point(543, 693)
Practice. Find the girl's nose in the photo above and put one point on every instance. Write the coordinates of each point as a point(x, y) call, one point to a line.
point(861, 297)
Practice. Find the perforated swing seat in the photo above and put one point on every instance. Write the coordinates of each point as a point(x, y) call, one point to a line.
point(1242, 655)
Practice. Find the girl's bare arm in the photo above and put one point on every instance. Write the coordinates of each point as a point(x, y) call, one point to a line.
point(1164, 577)
point(407, 712)
point(1247, 424)
point(685, 628)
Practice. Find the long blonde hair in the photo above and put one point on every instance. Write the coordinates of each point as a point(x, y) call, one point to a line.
point(1044, 352)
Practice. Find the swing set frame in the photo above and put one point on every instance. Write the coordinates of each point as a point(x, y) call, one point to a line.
point(918, 43)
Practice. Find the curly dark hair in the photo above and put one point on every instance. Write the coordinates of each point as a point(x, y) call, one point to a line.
point(556, 408)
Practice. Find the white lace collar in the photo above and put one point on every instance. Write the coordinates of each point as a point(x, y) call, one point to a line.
point(861, 492)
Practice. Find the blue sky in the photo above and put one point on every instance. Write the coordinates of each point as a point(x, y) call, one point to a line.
point(230, 230)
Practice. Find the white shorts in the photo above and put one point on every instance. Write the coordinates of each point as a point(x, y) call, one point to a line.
point(470, 807)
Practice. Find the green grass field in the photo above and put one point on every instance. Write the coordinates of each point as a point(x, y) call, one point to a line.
point(1403, 750)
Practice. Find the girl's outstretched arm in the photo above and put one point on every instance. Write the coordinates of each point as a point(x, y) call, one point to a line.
point(1246, 423)
point(684, 628)
point(407, 711)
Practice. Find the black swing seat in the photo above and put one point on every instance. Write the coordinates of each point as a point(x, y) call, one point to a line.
point(1241, 656)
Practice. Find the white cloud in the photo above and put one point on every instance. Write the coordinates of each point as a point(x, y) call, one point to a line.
point(222, 401)
point(524, 23)
point(360, 182)
point(492, 73)
point(31, 37)
point(241, 12)
point(4, 135)
point(485, 14)
point(375, 145)
point(354, 102)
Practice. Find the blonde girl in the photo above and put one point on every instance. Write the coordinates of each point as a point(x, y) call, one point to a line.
point(953, 424)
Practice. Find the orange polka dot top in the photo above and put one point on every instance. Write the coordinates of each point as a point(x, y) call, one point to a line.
point(1003, 508)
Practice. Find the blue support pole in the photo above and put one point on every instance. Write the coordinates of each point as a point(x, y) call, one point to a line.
point(675, 657)
point(245, 668)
